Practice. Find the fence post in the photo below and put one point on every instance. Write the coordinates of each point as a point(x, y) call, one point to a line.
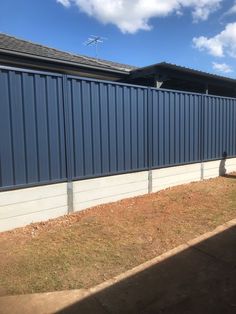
point(202, 135)
point(68, 140)
point(149, 138)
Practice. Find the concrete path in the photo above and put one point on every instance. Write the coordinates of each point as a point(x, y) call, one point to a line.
point(197, 277)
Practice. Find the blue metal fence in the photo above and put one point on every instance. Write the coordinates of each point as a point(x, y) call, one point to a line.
point(32, 132)
point(55, 128)
point(176, 119)
point(219, 128)
point(109, 127)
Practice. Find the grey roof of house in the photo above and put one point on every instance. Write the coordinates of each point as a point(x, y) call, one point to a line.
point(165, 65)
point(12, 44)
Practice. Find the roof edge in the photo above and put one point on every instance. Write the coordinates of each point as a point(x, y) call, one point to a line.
point(185, 69)
point(54, 60)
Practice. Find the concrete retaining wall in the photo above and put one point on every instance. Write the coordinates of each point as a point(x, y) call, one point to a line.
point(97, 191)
point(215, 168)
point(167, 177)
point(24, 206)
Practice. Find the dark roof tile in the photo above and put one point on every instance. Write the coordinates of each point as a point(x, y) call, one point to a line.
point(13, 44)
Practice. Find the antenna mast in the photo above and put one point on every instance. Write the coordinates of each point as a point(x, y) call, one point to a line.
point(94, 41)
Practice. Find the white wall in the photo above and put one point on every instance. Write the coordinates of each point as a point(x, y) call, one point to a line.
point(213, 169)
point(167, 177)
point(97, 191)
point(24, 206)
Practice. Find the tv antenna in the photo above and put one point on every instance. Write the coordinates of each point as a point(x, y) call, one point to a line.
point(94, 41)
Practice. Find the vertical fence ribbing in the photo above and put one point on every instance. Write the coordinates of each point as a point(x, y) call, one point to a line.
point(149, 138)
point(202, 124)
point(157, 105)
point(67, 127)
point(68, 140)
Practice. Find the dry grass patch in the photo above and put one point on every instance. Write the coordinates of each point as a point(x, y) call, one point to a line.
point(84, 249)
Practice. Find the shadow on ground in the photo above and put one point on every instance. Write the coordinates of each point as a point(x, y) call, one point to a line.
point(230, 176)
point(201, 279)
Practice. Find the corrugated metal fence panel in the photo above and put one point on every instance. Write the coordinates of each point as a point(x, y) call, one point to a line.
point(109, 127)
point(219, 116)
point(31, 128)
point(55, 127)
point(176, 128)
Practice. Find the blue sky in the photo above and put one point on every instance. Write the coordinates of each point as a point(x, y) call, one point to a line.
point(195, 33)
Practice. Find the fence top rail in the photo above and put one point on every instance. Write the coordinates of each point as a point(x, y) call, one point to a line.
point(145, 87)
point(74, 77)
point(219, 97)
point(192, 93)
point(129, 85)
point(24, 70)
point(175, 91)
point(14, 69)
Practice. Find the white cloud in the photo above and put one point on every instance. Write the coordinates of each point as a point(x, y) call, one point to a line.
point(222, 67)
point(65, 3)
point(232, 10)
point(133, 15)
point(221, 44)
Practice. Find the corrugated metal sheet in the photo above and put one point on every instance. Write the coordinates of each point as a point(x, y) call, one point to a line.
point(175, 122)
point(56, 127)
point(31, 128)
point(109, 128)
point(219, 128)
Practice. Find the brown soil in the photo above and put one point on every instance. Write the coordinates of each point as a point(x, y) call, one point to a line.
point(84, 249)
